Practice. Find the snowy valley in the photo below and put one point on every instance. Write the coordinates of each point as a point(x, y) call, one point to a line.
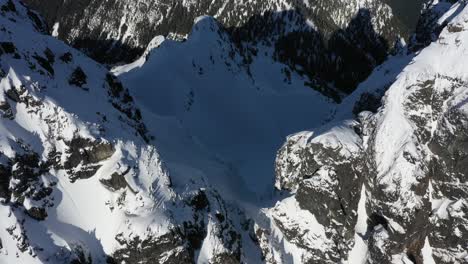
point(313, 133)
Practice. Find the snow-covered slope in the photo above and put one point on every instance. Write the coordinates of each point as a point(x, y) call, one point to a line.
point(75, 163)
point(88, 176)
point(171, 158)
point(239, 114)
point(132, 24)
point(408, 155)
point(80, 181)
point(336, 44)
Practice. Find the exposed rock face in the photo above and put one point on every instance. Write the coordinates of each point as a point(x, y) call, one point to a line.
point(86, 154)
point(447, 172)
point(382, 181)
point(208, 222)
point(87, 151)
point(409, 155)
point(78, 77)
point(429, 27)
point(326, 174)
point(49, 139)
point(169, 247)
point(23, 185)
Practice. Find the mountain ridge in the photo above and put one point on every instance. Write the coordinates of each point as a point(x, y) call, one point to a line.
point(341, 33)
point(164, 159)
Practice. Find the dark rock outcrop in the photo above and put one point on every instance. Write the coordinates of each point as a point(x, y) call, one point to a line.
point(78, 77)
point(86, 154)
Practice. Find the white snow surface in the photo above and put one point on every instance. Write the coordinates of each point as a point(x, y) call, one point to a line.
point(198, 99)
point(84, 213)
point(55, 29)
point(396, 133)
point(215, 122)
point(359, 253)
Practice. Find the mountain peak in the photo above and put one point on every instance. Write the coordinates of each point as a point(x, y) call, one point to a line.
point(193, 153)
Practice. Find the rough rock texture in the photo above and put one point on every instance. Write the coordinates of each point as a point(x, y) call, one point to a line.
point(79, 165)
point(326, 175)
point(409, 154)
point(383, 180)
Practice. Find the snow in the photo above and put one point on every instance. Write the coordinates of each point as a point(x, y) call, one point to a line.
point(392, 142)
point(208, 246)
point(448, 10)
point(427, 253)
point(396, 132)
point(439, 206)
point(9, 250)
point(359, 253)
point(339, 137)
point(55, 29)
point(216, 123)
point(235, 119)
point(84, 213)
point(155, 43)
point(229, 142)
point(311, 234)
point(401, 259)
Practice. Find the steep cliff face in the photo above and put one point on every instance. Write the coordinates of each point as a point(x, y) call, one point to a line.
point(407, 155)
